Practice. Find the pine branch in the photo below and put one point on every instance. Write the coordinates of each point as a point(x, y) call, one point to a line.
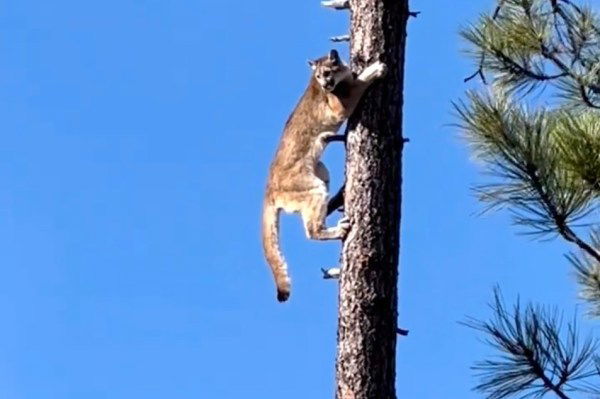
point(566, 71)
point(522, 37)
point(587, 272)
point(559, 219)
point(569, 235)
point(578, 136)
point(546, 165)
point(535, 354)
point(515, 67)
point(479, 71)
point(519, 148)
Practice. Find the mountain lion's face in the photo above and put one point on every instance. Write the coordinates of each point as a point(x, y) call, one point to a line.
point(330, 70)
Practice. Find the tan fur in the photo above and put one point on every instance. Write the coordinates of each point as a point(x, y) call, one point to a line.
point(298, 181)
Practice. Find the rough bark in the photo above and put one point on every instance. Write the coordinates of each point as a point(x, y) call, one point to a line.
point(366, 359)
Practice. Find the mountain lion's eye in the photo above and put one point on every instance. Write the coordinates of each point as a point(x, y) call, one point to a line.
point(327, 74)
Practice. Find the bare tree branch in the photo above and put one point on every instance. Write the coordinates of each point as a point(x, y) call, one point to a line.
point(337, 4)
point(341, 38)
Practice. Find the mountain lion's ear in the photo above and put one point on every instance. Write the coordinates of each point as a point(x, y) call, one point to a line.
point(312, 64)
point(334, 56)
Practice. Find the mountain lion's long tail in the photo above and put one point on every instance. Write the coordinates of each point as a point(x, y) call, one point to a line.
point(270, 239)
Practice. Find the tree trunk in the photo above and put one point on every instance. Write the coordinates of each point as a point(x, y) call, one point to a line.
point(366, 359)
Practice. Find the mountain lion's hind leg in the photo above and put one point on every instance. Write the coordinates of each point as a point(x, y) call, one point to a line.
point(336, 202)
point(322, 173)
point(314, 213)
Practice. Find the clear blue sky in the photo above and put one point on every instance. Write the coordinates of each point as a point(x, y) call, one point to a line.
point(136, 136)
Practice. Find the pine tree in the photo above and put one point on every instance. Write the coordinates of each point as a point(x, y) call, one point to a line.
point(367, 322)
point(535, 127)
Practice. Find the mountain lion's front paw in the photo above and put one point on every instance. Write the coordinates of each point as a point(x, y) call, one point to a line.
point(343, 227)
point(379, 69)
